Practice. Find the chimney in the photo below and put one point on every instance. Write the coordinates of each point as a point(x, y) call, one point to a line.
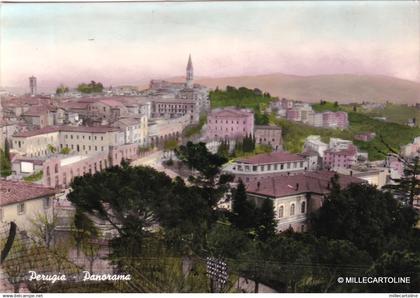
point(297, 186)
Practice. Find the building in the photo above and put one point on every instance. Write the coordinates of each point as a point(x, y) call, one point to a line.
point(106, 111)
point(135, 129)
point(38, 116)
point(174, 108)
point(411, 150)
point(32, 86)
point(365, 137)
point(82, 139)
point(293, 114)
point(229, 123)
point(314, 143)
point(22, 202)
point(338, 157)
point(294, 197)
point(269, 135)
point(335, 120)
point(190, 73)
point(377, 176)
point(268, 164)
point(161, 130)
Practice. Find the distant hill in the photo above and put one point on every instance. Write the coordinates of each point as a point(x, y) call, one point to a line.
point(343, 88)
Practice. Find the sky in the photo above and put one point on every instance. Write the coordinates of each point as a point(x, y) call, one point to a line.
point(125, 43)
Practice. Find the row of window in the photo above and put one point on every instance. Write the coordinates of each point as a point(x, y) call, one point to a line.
point(227, 121)
point(269, 167)
point(83, 137)
point(280, 211)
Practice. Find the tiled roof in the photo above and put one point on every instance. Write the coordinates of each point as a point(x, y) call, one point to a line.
point(112, 103)
point(12, 192)
point(36, 111)
point(310, 182)
point(230, 113)
point(351, 150)
point(31, 133)
point(74, 105)
point(271, 158)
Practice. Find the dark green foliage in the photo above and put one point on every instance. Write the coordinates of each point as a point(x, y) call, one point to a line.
point(365, 216)
point(125, 198)
point(243, 210)
point(397, 264)
point(246, 144)
point(265, 223)
point(226, 241)
point(5, 165)
point(61, 89)
point(261, 118)
point(240, 98)
point(223, 149)
point(92, 87)
point(197, 157)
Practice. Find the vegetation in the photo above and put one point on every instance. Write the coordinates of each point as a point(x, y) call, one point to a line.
point(5, 164)
point(34, 177)
point(394, 134)
point(61, 89)
point(193, 130)
point(243, 97)
point(91, 87)
point(65, 150)
point(395, 113)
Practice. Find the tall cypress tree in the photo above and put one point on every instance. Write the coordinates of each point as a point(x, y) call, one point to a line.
point(265, 223)
point(243, 210)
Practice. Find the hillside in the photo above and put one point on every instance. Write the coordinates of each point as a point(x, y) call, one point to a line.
point(342, 88)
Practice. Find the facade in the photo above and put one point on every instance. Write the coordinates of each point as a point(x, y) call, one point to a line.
point(294, 197)
point(161, 130)
point(38, 116)
point(269, 135)
point(22, 202)
point(229, 124)
point(411, 150)
point(106, 110)
point(82, 139)
point(335, 120)
point(135, 129)
point(262, 165)
point(314, 143)
point(377, 176)
point(32, 86)
point(175, 108)
point(336, 158)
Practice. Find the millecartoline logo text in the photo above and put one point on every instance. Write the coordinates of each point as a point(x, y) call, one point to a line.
point(374, 280)
point(85, 276)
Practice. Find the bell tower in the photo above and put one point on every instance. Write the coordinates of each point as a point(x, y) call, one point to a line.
point(190, 73)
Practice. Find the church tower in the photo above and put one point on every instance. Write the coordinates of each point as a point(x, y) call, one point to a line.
point(190, 73)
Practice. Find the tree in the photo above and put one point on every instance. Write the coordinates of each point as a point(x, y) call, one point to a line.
point(61, 89)
point(396, 264)
point(65, 150)
point(265, 223)
point(82, 229)
point(124, 197)
point(5, 165)
point(51, 148)
point(43, 227)
point(243, 210)
point(365, 216)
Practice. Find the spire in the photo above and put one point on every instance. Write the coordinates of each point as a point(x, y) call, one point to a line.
point(189, 65)
point(189, 74)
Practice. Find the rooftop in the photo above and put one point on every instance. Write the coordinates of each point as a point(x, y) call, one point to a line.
point(318, 182)
point(230, 112)
point(50, 129)
point(12, 192)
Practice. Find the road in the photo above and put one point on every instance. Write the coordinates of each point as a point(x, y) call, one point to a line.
point(154, 160)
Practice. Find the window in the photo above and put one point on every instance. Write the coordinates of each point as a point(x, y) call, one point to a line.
point(302, 228)
point(56, 168)
point(71, 137)
point(46, 203)
point(21, 208)
point(303, 207)
point(292, 209)
point(281, 211)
